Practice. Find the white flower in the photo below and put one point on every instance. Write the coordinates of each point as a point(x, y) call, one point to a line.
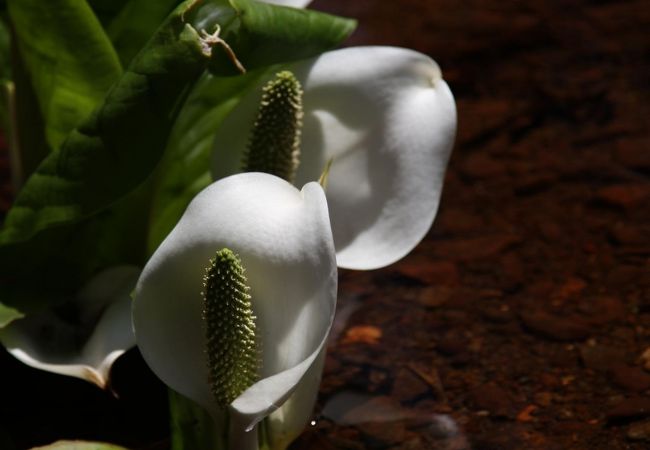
point(283, 238)
point(388, 120)
point(84, 337)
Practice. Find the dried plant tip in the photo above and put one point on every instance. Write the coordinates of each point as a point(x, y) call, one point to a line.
point(274, 145)
point(232, 350)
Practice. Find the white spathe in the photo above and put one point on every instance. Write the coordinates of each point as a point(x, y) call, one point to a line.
point(284, 240)
point(84, 337)
point(388, 120)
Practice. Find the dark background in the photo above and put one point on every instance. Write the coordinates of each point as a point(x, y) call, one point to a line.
point(522, 320)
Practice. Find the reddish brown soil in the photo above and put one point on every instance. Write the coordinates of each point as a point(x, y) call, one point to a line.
point(523, 320)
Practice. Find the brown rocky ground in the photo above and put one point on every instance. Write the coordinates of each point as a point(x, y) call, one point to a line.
point(523, 320)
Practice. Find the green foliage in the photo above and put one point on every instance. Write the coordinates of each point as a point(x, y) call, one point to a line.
point(69, 60)
point(262, 34)
point(92, 201)
point(63, 209)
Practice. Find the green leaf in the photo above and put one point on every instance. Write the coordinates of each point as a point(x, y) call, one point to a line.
point(8, 315)
point(135, 24)
point(118, 146)
point(264, 34)
point(61, 226)
point(69, 59)
point(79, 445)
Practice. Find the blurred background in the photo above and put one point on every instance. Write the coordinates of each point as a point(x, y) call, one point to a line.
point(523, 320)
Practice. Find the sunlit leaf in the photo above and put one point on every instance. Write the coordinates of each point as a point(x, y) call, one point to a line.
point(116, 148)
point(69, 59)
point(61, 211)
point(263, 34)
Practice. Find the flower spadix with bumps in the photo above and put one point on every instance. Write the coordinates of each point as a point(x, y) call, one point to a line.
point(232, 350)
point(274, 145)
point(246, 282)
point(387, 120)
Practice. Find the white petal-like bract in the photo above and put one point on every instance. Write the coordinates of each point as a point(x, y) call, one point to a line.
point(284, 240)
point(388, 120)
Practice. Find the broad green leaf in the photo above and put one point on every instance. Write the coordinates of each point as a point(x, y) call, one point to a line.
point(264, 34)
point(135, 23)
point(79, 445)
point(117, 146)
point(8, 315)
point(69, 59)
point(61, 226)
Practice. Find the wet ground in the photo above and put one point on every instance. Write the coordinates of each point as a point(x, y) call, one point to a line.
point(523, 320)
